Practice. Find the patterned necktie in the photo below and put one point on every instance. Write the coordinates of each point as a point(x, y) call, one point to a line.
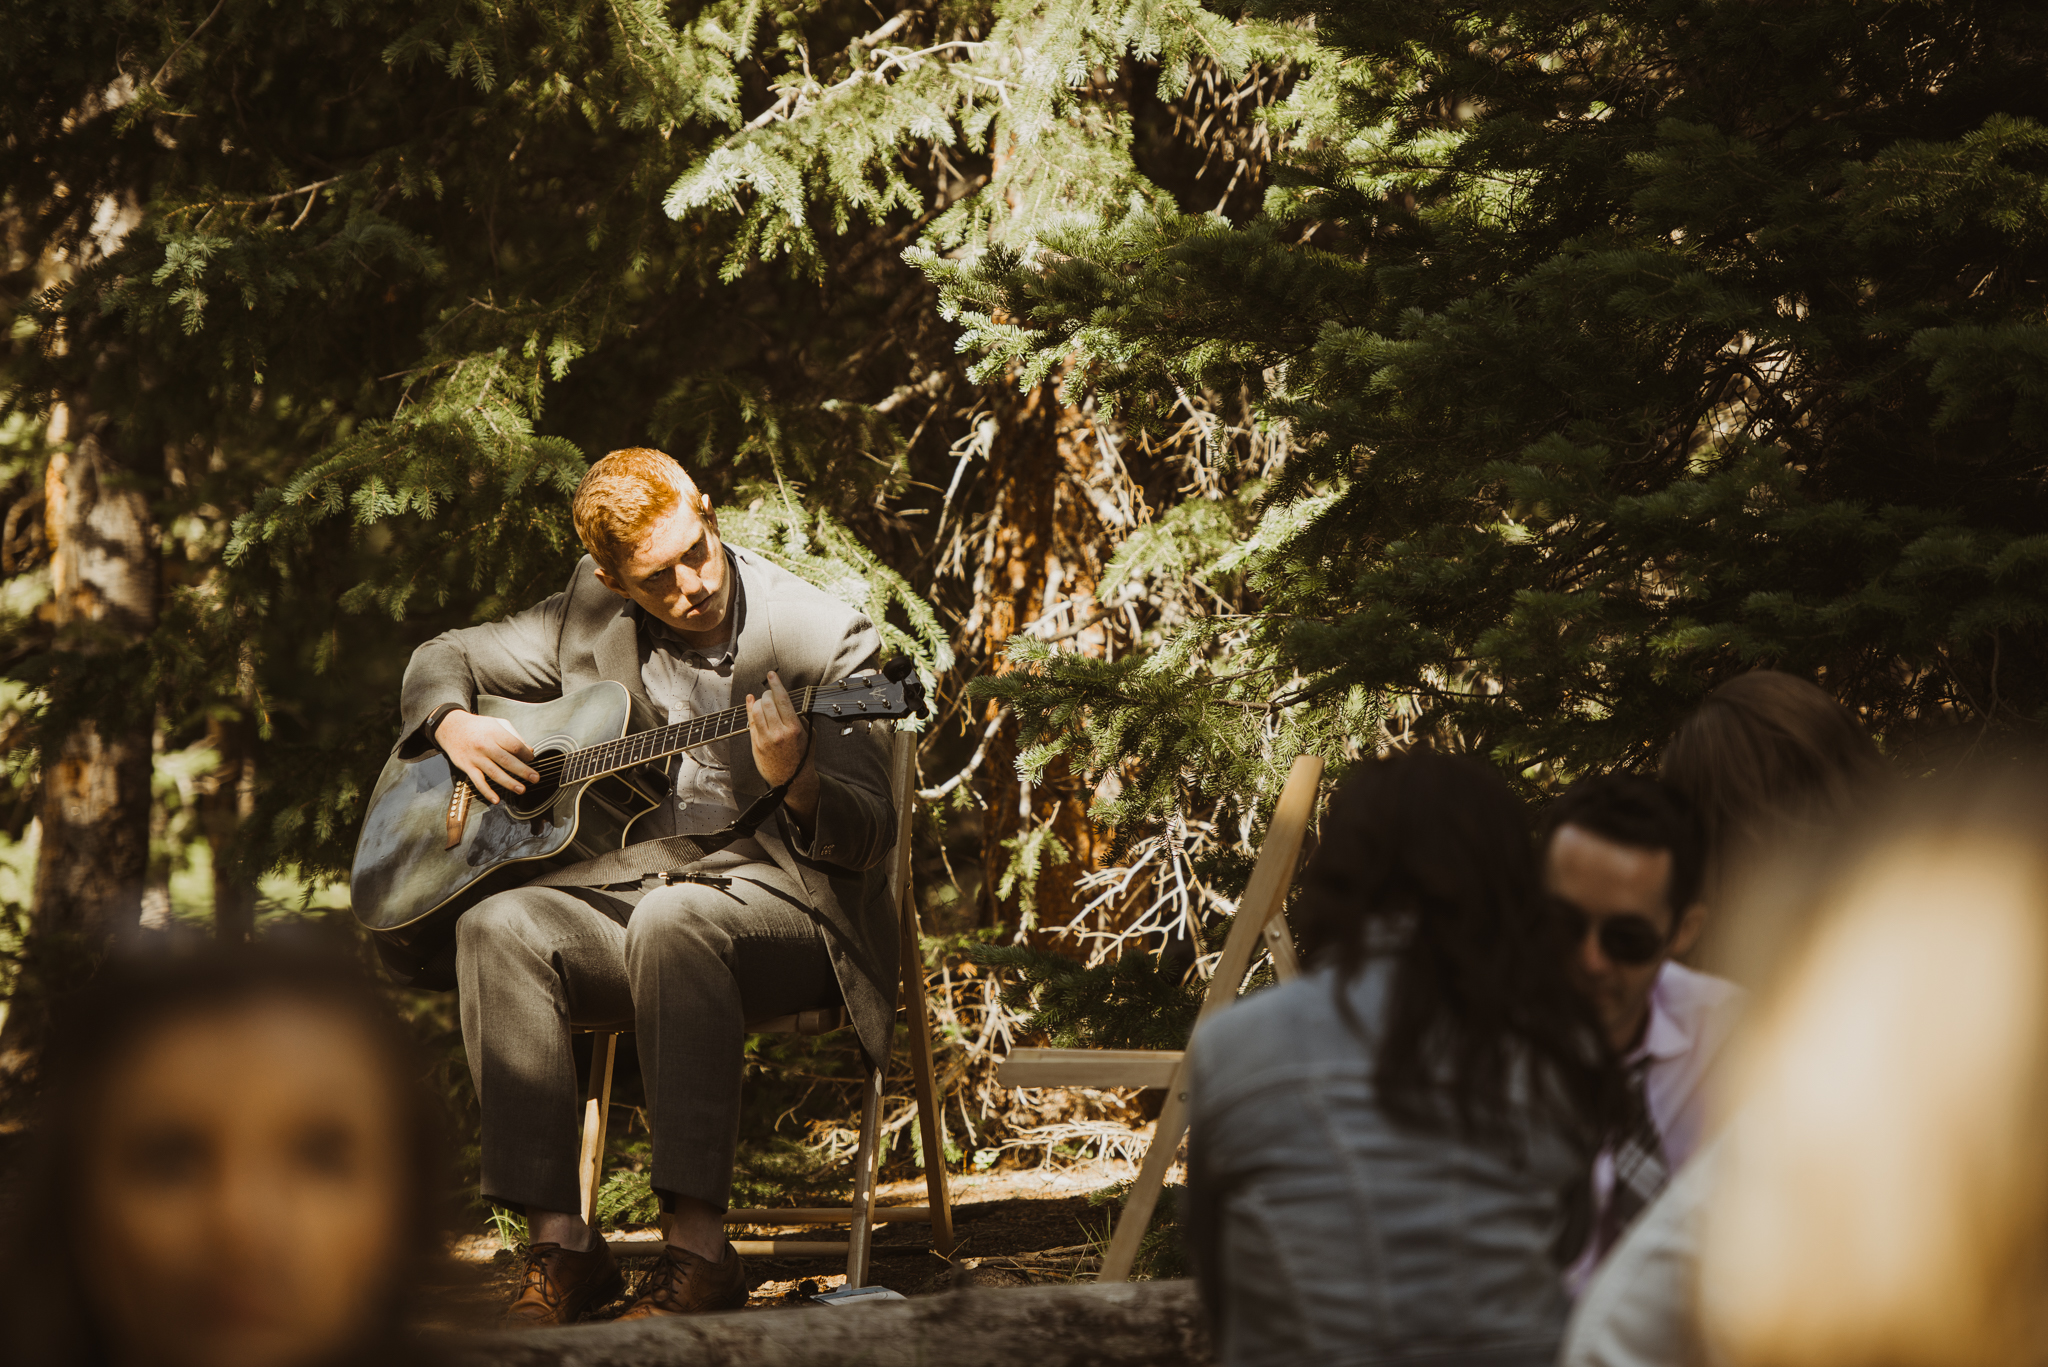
point(1639, 1168)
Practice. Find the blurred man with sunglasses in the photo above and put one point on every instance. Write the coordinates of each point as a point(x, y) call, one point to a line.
point(1623, 862)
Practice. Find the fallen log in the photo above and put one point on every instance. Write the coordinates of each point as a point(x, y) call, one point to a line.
point(1124, 1324)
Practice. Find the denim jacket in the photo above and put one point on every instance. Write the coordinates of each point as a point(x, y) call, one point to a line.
point(1322, 1233)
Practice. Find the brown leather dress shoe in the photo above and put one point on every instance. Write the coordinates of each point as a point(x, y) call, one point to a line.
point(682, 1283)
point(562, 1286)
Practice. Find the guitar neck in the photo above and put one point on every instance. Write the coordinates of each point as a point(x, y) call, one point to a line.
point(595, 761)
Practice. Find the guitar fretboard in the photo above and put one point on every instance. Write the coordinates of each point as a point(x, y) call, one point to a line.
point(593, 761)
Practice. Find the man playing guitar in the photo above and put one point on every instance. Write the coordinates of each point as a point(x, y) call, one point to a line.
point(791, 917)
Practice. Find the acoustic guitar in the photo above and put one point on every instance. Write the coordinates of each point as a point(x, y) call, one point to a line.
point(428, 852)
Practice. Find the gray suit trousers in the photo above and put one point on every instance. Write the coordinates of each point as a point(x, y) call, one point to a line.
point(685, 969)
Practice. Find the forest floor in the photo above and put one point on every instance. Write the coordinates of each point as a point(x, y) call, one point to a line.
point(1015, 1228)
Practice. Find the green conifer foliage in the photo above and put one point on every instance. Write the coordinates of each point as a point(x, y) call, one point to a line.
point(1133, 1001)
point(1625, 349)
point(346, 296)
point(363, 255)
point(362, 289)
point(1574, 360)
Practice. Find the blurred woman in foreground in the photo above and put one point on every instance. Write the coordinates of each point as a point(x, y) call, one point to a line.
point(1883, 1194)
point(237, 1166)
point(1382, 1153)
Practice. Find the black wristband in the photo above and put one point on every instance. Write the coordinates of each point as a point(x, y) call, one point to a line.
point(434, 720)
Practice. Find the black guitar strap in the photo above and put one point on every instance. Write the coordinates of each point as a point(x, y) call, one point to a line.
point(674, 853)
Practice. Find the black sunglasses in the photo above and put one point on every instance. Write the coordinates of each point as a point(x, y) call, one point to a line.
point(1629, 940)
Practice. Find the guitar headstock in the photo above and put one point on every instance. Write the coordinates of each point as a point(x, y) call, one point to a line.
point(873, 695)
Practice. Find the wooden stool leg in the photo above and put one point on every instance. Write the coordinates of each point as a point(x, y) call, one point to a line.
point(1279, 941)
point(864, 1162)
point(929, 1122)
point(596, 1113)
point(1138, 1206)
point(1264, 896)
point(910, 934)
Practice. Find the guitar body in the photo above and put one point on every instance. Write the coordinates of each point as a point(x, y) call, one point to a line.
point(423, 859)
point(408, 886)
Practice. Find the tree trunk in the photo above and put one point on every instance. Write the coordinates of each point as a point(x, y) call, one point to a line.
point(1041, 551)
point(156, 889)
point(227, 799)
point(1130, 1324)
point(1023, 467)
point(94, 861)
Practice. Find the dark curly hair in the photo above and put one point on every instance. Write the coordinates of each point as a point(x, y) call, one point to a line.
point(1641, 813)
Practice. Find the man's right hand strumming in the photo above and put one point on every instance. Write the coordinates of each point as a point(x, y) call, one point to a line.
point(488, 750)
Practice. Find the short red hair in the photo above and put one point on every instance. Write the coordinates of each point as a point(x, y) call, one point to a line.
point(624, 495)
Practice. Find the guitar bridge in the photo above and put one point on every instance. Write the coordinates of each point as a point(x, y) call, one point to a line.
point(458, 812)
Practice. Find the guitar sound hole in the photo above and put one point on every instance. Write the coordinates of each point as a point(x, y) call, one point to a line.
point(540, 796)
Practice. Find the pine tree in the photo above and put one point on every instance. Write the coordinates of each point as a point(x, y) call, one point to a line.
point(341, 299)
point(1624, 349)
point(1507, 375)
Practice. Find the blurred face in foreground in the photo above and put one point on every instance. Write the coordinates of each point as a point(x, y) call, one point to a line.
point(244, 1183)
point(1881, 1196)
point(1622, 895)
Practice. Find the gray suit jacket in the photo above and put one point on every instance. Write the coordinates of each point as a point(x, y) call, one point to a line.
point(587, 633)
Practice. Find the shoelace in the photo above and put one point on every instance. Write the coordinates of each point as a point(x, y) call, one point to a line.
point(537, 1275)
point(669, 1272)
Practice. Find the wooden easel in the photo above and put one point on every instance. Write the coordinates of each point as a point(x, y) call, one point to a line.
point(1260, 920)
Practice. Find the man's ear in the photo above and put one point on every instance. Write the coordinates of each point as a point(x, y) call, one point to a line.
point(604, 577)
point(1689, 927)
point(706, 511)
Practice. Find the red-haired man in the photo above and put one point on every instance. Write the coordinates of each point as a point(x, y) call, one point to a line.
point(690, 625)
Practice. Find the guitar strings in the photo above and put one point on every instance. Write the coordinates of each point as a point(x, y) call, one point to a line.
point(551, 766)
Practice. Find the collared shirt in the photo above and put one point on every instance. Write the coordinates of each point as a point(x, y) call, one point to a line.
point(1691, 1016)
point(1639, 1309)
point(686, 681)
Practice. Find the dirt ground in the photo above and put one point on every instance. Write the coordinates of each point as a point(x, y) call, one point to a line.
point(1014, 1228)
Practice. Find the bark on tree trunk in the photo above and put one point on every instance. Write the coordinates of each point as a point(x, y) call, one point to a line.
point(1035, 560)
point(1130, 1324)
point(156, 889)
point(94, 860)
point(1023, 467)
point(226, 801)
